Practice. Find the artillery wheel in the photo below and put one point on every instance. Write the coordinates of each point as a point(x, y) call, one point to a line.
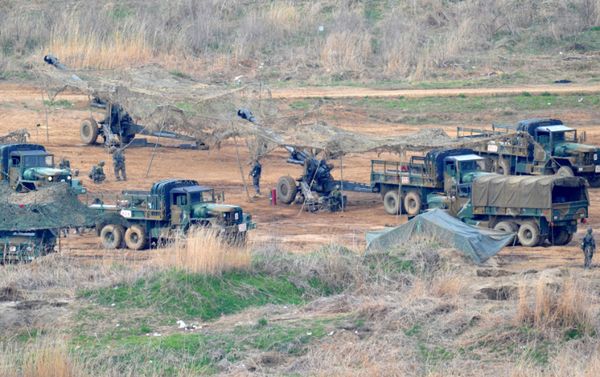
point(412, 203)
point(88, 131)
point(506, 226)
point(135, 238)
point(392, 203)
point(565, 171)
point(502, 167)
point(286, 189)
point(529, 234)
point(111, 236)
point(561, 236)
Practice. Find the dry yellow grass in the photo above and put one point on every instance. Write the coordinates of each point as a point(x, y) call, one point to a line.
point(203, 251)
point(86, 50)
point(345, 51)
point(41, 358)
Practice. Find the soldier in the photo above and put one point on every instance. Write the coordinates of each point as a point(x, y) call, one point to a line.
point(97, 174)
point(255, 174)
point(64, 164)
point(118, 163)
point(336, 199)
point(588, 245)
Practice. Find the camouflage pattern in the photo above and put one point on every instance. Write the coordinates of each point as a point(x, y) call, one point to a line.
point(255, 174)
point(97, 173)
point(588, 246)
point(118, 158)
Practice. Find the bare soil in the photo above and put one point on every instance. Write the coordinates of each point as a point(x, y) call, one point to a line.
point(21, 107)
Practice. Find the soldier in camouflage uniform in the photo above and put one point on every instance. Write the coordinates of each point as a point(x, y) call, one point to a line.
point(97, 174)
point(255, 174)
point(118, 163)
point(588, 245)
point(64, 164)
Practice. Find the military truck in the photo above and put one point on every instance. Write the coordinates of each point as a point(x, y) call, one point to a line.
point(25, 246)
point(536, 208)
point(139, 219)
point(538, 147)
point(26, 167)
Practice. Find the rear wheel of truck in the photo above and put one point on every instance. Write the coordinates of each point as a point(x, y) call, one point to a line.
point(565, 171)
point(560, 236)
point(506, 226)
point(111, 236)
point(529, 234)
point(286, 189)
point(412, 203)
point(88, 131)
point(135, 238)
point(392, 203)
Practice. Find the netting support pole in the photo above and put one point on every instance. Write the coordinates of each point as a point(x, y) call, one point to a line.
point(237, 153)
point(46, 115)
point(342, 179)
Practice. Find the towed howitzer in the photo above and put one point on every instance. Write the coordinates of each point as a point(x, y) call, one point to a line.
point(316, 180)
point(118, 127)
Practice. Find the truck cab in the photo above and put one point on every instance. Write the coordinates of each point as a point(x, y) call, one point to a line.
point(459, 172)
point(26, 167)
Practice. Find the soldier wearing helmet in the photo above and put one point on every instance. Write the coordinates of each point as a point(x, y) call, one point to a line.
point(97, 173)
point(588, 245)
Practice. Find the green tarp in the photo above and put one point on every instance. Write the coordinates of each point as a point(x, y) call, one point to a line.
point(478, 244)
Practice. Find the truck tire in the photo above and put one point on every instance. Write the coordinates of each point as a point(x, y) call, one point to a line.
point(135, 238)
point(502, 167)
point(565, 171)
point(506, 226)
point(111, 236)
point(88, 131)
point(561, 236)
point(529, 234)
point(392, 203)
point(412, 203)
point(286, 189)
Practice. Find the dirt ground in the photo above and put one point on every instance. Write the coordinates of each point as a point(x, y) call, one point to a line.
point(21, 107)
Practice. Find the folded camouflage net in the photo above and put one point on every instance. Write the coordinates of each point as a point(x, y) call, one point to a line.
point(50, 207)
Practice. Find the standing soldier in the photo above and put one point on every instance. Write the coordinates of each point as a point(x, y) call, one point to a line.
point(588, 245)
point(97, 174)
point(64, 164)
point(118, 163)
point(255, 174)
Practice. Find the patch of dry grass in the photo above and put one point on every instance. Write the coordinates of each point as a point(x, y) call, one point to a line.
point(40, 358)
point(204, 251)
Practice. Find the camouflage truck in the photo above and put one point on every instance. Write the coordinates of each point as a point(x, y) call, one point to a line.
point(138, 219)
point(536, 208)
point(26, 245)
point(538, 147)
point(26, 167)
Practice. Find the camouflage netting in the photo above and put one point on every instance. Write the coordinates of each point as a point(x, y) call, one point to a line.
point(16, 136)
point(50, 207)
point(162, 100)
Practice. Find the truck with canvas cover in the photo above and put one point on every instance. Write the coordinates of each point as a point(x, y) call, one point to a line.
point(536, 208)
point(139, 219)
point(26, 167)
point(404, 186)
point(538, 147)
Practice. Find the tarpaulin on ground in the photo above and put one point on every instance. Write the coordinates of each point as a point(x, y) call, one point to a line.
point(478, 244)
point(51, 207)
point(524, 191)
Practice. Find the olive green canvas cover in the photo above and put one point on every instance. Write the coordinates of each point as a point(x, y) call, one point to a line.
point(519, 191)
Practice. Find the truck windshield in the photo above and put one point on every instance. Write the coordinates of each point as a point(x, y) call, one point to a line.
point(568, 136)
point(38, 161)
point(208, 196)
point(472, 165)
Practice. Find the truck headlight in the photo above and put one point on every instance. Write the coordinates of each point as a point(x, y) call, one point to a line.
point(13, 248)
point(69, 178)
point(50, 179)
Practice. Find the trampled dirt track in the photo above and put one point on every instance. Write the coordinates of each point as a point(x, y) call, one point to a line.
point(20, 107)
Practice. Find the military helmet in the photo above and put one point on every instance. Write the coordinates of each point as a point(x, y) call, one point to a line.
point(101, 163)
point(589, 229)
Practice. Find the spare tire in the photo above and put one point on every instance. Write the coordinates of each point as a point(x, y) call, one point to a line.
point(286, 189)
point(135, 238)
point(111, 236)
point(502, 167)
point(392, 203)
point(88, 131)
point(412, 203)
point(565, 171)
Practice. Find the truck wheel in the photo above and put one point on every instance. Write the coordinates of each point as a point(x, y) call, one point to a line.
point(506, 226)
point(135, 238)
point(286, 189)
point(561, 236)
point(392, 203)
point(111, 236)
point(88, 131)
point(502, 167)
point(529, 234)
point(412, 203)
point(594, 181)
point(565, 171)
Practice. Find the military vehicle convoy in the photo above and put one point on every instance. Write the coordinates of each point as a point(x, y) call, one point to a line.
point(26, 167)
point(538, 147)
point(138, 219)
point(536, 208)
